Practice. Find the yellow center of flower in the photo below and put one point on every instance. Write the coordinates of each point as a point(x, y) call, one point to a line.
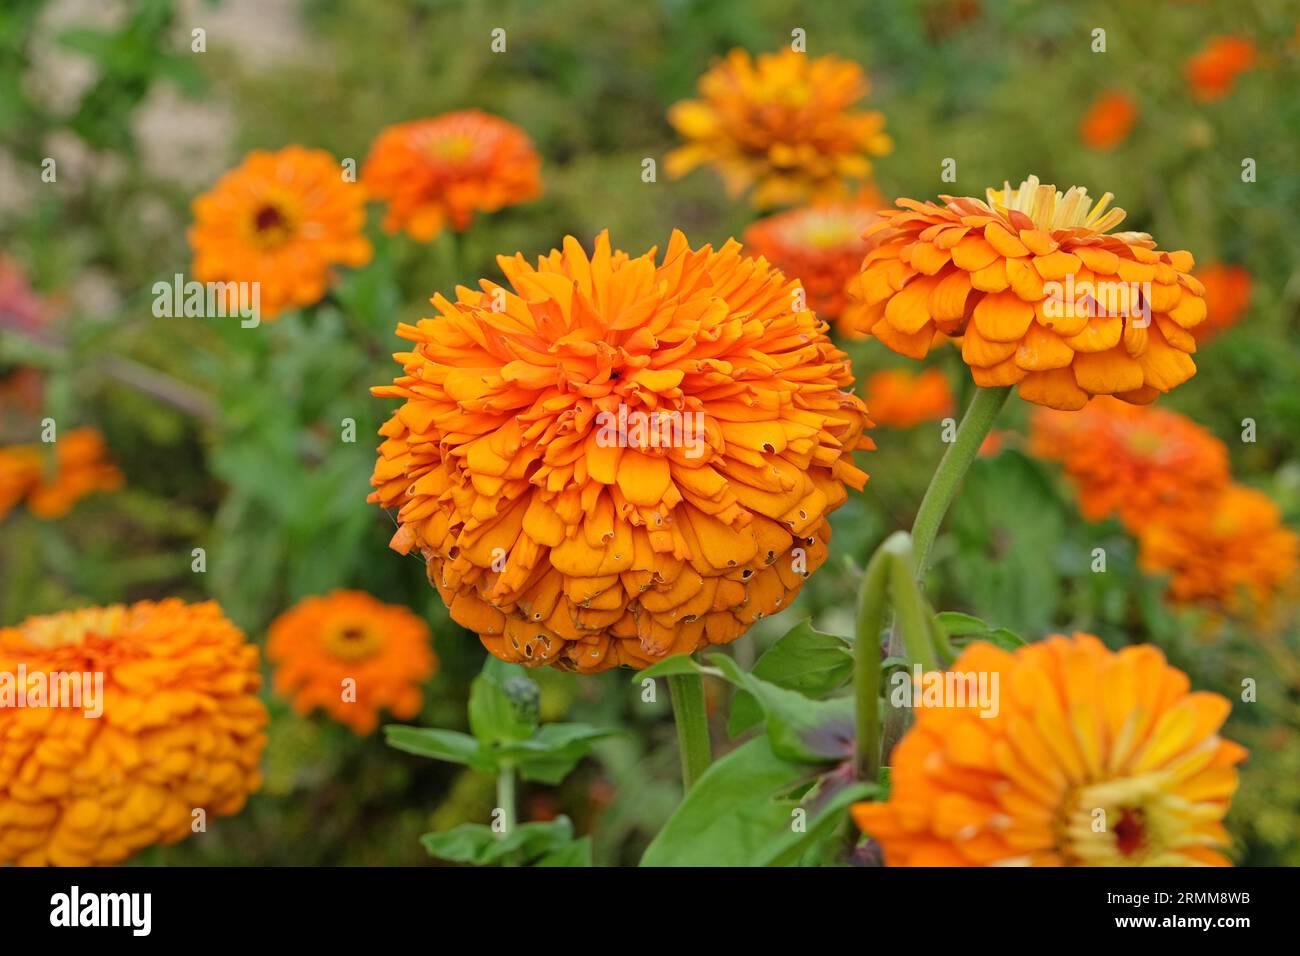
point(1133, 821)
point(272, 225)
point(1051, 209)
point(452, 149)
point(352, 640)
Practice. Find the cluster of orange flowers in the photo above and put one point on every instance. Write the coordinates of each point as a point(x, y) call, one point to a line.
point(79, 467)
point(286, 219)
point(1167, 479)
point(899, 398)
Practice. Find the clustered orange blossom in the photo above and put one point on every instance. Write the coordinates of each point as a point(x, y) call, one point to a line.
point(181, 731)
point(899, 398)
point(323, 643)
point(1043, 295)
point(1227, 297)
point(439, 172)
point(1212, 72)
point(782, 123)
point(1081, 735)
point(1108, 121)
point(615, 459)
point(80, 467)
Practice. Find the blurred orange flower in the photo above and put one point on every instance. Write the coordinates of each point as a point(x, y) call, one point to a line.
point(781, 123)
point(323, 643)
point(821, 246)
point(613, 459)
point(1227, 297)
point(1043, 295)
point(900, 399)
point(1078, 735)
point(1234, 554)
point(282, 220)
point(1212, 72)
point(181, 731)
point(441, 171)
point(1108, 121)
point(81, 468)
point(1139, 463)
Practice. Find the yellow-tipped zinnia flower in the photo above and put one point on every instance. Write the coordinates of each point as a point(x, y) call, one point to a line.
point(614, 459)
point(1043, 294)
point(322, 643)
point(1087, 757)
point(181, 730)
point(781, 123)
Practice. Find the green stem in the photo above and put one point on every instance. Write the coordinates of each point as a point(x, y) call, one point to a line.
point(974, 427)
point(692, 718)
point(506, 798)
point(912, 618)
point(872, 605)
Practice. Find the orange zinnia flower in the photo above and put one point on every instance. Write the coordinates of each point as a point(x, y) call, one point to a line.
point(81, 468)
point(1043, 296)
point(1108, 121)
point(821, 246)
point(1136, 462)
point(1227, 297)
point(783, 123)
point(323, 642)
point(1233, 554)
point(282, 220)
point(1213, 72)
point(181, 730)
point(900, 399)
point(1088, 757)
point(434, 172)
point(614, 460)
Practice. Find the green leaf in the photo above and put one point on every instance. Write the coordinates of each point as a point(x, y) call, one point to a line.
point(958, 625)
point(550, 754)
point(577, 853)
point(495, 714)
point(669, 667)
point(448, 745)
point(478, 844)
point(804, 660)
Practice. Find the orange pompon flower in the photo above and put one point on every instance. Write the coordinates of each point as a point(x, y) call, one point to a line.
point(821, 246)
point(282, 220)
point(1212, 72)
point(1108, 121)
point(1044, 296)
point(179, 728)
point(613, 460)
point(1227, 297)
point(900, 399)
point(1072, 729)
point(81, 468)
point(1139, 463)
point(322, 642)
point(782, 123)
point(440, 171)
point(1232, 555)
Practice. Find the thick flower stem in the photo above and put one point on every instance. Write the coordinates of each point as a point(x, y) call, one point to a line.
point(974, 427)
point(506, 798)
point(872, 605)
point(692, 718)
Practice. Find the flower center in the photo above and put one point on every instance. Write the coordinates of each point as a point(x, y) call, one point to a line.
point(1050, 209)
point(271, 224)
point(351, 641)
point(453, 149)
point(1132, 821)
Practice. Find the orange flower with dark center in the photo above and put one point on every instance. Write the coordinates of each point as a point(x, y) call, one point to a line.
point(181, 730)
point(1227, 297)
point(821, 246)
point(1234, 554)
point(351, 656)
point(441, 171)
point(782, 123)
point(1081, 756)
point(81, 467)
point(1043, 294)
point(1139, 463)
point(1108, 121)
point(613, 459)
point(282, 220)
point(900, 399)
point(1212, 73)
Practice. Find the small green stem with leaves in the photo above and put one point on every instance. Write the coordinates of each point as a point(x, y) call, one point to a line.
point(692, 717)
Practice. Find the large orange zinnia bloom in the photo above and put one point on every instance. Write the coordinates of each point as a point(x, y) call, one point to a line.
point(1232, 555)
point(81, 468)
point(282, 220)
point(898, 398)
point(1043, 294)
point(181, 731)
point(617, 459)
point(322, 642)
point(821, 246)
point(782, 123)
point(1137, 462)
point(1227, 297)
point(1093, 758)
point(1212, 72)
point(441, 171)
